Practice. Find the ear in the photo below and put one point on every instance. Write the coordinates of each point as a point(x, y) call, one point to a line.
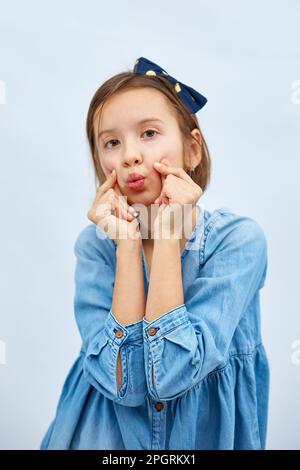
point(194, 149)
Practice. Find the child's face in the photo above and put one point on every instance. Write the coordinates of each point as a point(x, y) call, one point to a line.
point(128, 148)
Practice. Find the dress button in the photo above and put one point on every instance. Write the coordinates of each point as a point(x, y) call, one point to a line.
point(159, 406)
point(152, 331)
point(119, 333)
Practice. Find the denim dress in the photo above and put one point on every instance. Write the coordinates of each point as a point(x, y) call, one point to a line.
point(210, 368)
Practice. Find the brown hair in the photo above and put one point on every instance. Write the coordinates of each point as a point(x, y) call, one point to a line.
point(187, 121)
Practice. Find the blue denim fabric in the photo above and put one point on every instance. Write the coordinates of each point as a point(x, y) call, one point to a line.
point(211, 372)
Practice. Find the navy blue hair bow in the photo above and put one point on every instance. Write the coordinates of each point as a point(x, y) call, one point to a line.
point(190, 97)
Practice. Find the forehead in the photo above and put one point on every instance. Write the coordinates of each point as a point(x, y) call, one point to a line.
point(131, 106)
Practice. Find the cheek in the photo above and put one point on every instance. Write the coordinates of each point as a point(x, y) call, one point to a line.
point(107, 166)
point(157, 158)
point(153, 173)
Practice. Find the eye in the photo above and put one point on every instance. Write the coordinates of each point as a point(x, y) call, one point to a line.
point(150, 130)
point(115, 140)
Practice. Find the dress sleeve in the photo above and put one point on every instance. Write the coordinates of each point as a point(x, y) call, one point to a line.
point(102, 335)
point(186, 343)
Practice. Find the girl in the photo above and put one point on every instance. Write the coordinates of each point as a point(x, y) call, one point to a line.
point(169, 312)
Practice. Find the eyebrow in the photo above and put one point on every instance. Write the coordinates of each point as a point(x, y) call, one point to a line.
point(139, 122)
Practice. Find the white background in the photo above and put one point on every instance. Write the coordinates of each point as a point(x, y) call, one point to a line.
point(244, 56)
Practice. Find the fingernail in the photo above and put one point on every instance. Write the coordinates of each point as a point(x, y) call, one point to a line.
point(157, 164)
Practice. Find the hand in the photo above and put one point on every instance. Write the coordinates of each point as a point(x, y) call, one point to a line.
point(123, 226)
point(178, 197)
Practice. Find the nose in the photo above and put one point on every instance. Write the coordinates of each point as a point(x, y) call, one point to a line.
point(132, 161)
point(131, 158)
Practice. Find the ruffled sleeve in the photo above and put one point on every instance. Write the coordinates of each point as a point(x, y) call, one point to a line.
point(186, 343)
point(102, 335)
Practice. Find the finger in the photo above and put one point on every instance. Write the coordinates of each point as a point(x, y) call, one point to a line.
point(165, 162)
point(124, 199)
point(121, 214)
point(113, 206)
point(158, 200)
point(118, 206)
point(118, 211)
point(122, 208)
point(171, 170)
point(109, 183)
point(162, 198)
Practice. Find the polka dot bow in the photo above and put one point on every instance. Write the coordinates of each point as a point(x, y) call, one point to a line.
point(192, 99)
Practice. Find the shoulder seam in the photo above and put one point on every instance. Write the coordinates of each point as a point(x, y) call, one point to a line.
point(213, 223)
point(208, 230)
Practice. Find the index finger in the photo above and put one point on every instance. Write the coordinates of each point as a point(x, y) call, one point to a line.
point(117, 189)
point(108, 183)
point(172, 170)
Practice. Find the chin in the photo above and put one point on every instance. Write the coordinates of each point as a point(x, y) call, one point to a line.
point(146, 199)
